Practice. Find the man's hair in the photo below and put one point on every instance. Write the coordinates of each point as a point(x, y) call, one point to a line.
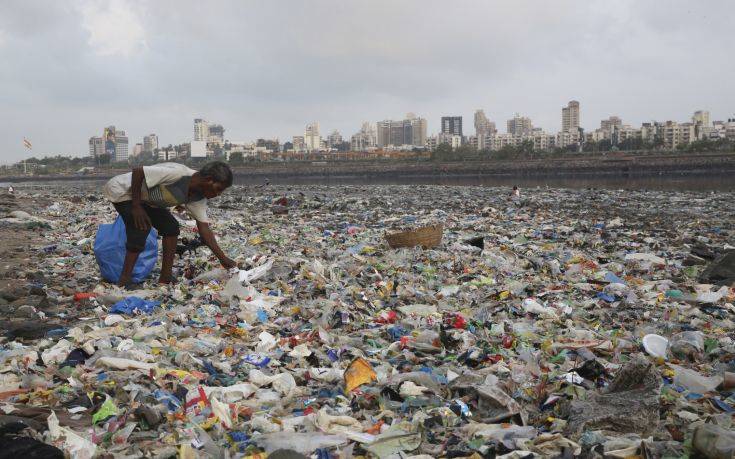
point(218, 171)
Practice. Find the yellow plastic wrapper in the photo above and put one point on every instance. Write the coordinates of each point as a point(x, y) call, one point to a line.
point(358, 373)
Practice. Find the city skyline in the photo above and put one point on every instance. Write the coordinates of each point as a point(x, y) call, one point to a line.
point(153, 67)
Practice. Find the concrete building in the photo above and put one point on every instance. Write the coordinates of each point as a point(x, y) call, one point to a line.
point(201, 130)
point(312, 139)
point(453, 140)
point(701, 117)
point(567, 138)
point(483, 126)
point(650, 132)
point(121, 147)
point(520, 125)
point(216, 134)
point(702, 126)
point(299, 145)
point(137, 149)
point(570, 117)
point(418, 132)
point(96, 146)
point(451, 125)
point(334, 140)
point(365, 139)
point(150, 143)
point(198, 149)
point(730, 129)
point(407, 133)
point(675, 134)
point(542, 141)
point(610, 123)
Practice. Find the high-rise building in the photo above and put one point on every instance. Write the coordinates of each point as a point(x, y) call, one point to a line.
point(121, 147)
point(216, 134)
point(452, 125)
point(96, 146)
point(483, 126)
point(408, 132)
point(334, 140)
point(137, 149)
point(150, 143)
point(298, 144)
point(365, 140)
point(520, 125)
point(418, 132)
point(201, 130)
point(701, 117)
point(609, 124)
point(312, 139)
point(570, 117)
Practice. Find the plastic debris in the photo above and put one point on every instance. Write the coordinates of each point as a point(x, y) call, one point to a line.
point(576, 323)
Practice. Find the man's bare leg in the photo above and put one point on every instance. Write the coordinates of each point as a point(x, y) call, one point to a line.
point(127, 270)
point(167, 264)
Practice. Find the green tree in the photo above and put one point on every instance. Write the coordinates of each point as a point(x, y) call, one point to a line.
point(236, 158)
point(443, 152)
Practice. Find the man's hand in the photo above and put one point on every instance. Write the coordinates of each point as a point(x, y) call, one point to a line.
point(140, 217)
point(228, 263)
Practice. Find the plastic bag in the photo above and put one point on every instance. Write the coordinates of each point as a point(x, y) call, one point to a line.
point(109, 250)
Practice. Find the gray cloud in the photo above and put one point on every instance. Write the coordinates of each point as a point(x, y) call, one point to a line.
point(268, 68)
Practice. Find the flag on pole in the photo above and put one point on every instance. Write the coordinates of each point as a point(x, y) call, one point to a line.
point(27, 143)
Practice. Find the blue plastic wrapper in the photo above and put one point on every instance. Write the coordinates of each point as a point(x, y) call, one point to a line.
point(133, 305)
point(610, 277)
point(258, 360)
point(606, 297)
point(109, 250)
point(168, 399)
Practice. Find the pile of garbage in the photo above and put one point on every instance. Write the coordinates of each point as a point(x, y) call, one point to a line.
point(595, 323)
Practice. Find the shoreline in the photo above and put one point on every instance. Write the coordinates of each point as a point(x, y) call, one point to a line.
point(599, 166)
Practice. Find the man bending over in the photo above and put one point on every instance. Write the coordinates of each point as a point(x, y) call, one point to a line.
point(142, 198)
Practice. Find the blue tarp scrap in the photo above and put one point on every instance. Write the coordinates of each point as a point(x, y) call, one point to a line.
point(133, 305)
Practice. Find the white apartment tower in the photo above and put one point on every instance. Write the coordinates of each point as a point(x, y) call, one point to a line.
point(201, 130)
point(570, 117)
point(96, 146)
point(121, 146)
point(312, 139)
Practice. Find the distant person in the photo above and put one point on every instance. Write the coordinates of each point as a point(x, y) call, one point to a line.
point(515, 193)
point(267, 182)
point(142, 198)
point(11, 190)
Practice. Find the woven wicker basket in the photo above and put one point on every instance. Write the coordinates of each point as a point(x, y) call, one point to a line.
point(427, 237)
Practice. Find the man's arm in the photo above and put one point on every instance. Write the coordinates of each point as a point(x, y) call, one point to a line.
point(205, 232)
point(140, 217)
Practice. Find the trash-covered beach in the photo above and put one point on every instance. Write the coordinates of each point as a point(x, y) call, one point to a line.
point(566, 323)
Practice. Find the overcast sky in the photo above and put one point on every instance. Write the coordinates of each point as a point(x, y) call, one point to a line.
point(266, 68)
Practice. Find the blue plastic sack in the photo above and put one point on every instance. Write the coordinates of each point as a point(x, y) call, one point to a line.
point(109, 250)
point(133, 304)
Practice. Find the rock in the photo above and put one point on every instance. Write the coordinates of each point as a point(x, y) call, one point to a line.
point(693, 260)
point(21, 215)
point(26, 329)
point(630, 404)
point(10, 295)
point(714, 442)
point(721, 271)
point(26, 311)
